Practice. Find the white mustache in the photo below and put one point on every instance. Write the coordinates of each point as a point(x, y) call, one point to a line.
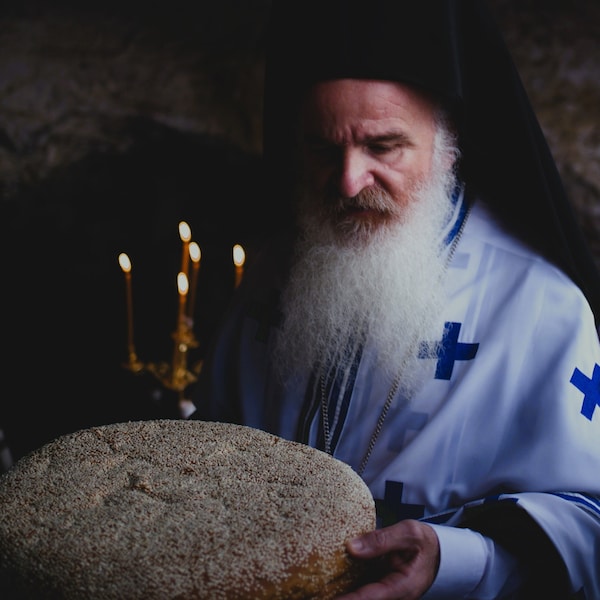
point(368, 199)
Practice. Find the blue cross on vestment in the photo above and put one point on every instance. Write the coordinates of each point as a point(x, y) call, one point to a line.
point(391, 509)
point(448, 351)
point(590, 389)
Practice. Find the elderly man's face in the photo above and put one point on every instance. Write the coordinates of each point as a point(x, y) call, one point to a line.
point(362, 135)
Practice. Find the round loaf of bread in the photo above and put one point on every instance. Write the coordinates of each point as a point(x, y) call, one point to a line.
point(179, 509)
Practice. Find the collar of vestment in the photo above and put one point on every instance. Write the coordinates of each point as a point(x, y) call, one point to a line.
point(457, 217)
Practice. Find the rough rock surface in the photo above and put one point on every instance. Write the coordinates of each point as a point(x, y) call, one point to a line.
point(118, 119)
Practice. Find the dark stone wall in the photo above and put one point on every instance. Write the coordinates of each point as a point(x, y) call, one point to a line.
point(556, 46)
point(118, 120)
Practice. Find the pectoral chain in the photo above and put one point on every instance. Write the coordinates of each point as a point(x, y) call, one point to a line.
point(393, 390)
point(376, 431)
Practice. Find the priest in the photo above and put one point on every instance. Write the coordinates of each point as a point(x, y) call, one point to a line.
point(427, 308)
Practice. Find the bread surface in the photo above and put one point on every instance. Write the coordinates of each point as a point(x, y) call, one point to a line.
point(179, 509)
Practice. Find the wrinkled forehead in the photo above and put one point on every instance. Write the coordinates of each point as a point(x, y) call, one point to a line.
point(365, 104)
point(366, 92)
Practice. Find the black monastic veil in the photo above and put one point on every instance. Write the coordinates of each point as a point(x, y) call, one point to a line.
point(455, 50)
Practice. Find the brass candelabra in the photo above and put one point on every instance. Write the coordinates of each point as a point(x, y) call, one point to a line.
point(177, 375)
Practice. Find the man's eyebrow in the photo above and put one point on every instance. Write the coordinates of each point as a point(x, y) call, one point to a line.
point(395, 137)
point(384, 138)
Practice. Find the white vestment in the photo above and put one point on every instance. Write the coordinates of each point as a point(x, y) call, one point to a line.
point(510, 413)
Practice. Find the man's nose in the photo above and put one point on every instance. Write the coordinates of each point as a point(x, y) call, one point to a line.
point(354, 174)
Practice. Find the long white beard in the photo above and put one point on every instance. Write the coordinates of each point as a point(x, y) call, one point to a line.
point(380, 286)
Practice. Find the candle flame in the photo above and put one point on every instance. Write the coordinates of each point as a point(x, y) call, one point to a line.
point(124, 262)
point(195, 253)
point(185, 233)
point(239, 255)
point(182, 283)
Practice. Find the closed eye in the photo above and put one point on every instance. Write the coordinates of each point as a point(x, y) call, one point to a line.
point(380, 149)
point(385, 144)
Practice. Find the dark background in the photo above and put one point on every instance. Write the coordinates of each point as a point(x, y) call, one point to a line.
point(117, 121)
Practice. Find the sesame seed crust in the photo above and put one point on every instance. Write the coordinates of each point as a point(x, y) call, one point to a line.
point(179, 509)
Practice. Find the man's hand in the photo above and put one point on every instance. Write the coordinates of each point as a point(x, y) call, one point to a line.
point(411, 554)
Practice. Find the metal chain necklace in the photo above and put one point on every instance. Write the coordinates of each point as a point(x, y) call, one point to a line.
point(390, 397)
point(373, 440)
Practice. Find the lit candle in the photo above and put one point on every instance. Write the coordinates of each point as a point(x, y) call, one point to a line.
point(185, 233)
point(125, 264)
point(180, 346)
point(182, 288)
point(239, 257)
point(195, 255)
